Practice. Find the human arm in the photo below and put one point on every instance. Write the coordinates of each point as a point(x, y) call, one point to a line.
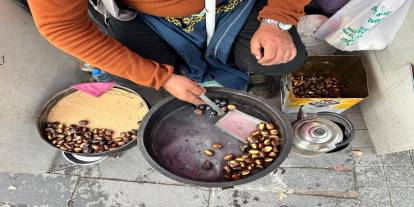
point(66, 25)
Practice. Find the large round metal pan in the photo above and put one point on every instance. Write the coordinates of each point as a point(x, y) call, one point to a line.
point(172, 139)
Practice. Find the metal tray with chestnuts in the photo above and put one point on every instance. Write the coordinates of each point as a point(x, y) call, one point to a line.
point(79, 138)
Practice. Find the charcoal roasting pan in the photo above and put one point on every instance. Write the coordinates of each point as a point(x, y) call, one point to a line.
point(172, 139)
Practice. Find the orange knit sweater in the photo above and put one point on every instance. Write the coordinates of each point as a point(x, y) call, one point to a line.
point(66, 25)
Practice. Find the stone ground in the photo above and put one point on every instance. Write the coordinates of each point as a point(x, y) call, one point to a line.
point(33, 174)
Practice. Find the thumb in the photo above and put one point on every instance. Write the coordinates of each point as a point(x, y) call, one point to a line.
point(256, 49)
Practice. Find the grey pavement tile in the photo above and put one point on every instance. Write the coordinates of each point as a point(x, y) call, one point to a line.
point(94, 192)
point(412, 156)
point(83, 171)
point(308, 180)
point(240, 198)
point(362, 139)
point(9, 204)
point(366, 157)
point(33, 72)
point(370, 176)
point(402, 197)
point(60, 165)
point(272, 182)
point(131, 166)
point(36, 190)
point(357, 120)
point(341, 158)
point(397, 159)
point(374, 197)
point(400, 176)
point(305, 181)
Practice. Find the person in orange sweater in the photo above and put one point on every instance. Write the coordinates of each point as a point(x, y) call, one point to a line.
point(267, 46)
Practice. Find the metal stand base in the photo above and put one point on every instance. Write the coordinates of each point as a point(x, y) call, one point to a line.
point(82, 160)
point(304, 153)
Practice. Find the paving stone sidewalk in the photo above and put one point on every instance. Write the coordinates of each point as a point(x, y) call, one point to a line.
point(355, 176)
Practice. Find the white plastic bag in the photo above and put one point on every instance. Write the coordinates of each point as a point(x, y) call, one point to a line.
point(365, 24)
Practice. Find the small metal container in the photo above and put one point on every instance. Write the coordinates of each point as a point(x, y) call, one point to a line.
point(315, 135)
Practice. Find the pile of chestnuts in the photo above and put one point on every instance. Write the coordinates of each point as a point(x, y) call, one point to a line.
point(79, 138)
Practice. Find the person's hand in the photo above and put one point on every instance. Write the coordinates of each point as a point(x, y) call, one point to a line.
point(184, 89)
point(271, 45)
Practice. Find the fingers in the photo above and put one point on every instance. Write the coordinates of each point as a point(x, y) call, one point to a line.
point(256, 49)
point(184, 89)
point(279, 55)
point(293, 54)
point(193, 99)
point(193, 93)
point(197, 89)
point(286, 57)
point(269, 54)
point(282, 56)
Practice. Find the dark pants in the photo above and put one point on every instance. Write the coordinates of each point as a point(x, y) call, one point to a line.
point(140, 38)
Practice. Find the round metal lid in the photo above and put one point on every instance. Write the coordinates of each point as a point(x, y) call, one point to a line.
point(318, 131)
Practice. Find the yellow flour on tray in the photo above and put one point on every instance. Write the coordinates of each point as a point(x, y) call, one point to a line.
point(118, 110)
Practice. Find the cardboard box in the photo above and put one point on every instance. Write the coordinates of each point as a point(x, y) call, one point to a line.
point(348, 69)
